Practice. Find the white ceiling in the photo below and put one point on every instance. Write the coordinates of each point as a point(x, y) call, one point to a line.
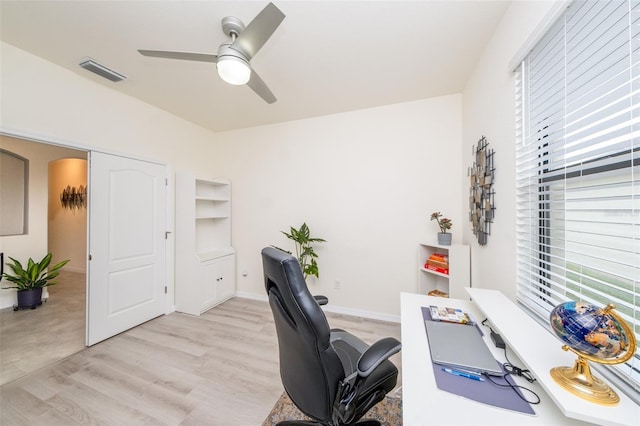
point(326, 57)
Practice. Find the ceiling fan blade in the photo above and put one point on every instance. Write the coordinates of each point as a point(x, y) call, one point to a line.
point(256, 34)
point(257, 85)
point(187, 56)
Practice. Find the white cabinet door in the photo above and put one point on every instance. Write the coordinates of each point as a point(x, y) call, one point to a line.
point(227, 277)
point(209, 287)
point(218, 282)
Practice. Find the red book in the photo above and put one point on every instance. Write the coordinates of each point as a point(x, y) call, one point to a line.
point(437, 269)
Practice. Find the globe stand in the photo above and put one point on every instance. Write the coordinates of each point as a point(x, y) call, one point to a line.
point(579, 381)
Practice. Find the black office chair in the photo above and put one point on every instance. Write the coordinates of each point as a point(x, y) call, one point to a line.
point(330, 375)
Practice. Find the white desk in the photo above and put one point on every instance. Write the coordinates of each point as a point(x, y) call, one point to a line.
point(425, 404)
point(540, 351)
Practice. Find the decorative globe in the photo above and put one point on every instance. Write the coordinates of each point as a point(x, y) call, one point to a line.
point(595, 334)
point(589, 330)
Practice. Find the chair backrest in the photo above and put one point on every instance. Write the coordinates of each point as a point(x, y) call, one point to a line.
point(309, 366)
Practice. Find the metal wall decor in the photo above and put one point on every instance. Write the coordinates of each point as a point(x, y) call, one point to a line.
point(74, 198)
point(481, 194)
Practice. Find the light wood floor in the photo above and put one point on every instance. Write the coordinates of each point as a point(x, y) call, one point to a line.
point(217, 369)
point(34, 338)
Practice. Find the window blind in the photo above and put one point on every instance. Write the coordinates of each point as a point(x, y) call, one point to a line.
point(578, 165)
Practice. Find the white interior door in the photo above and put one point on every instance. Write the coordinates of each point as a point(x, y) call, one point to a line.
point(127, 223)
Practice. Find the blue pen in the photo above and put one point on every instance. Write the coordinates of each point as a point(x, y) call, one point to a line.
point(463, 374)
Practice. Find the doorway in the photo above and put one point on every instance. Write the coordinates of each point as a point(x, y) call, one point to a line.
point(126, 272)
point(32, 339)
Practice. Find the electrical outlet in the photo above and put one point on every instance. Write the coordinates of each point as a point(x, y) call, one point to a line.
point(336, 284)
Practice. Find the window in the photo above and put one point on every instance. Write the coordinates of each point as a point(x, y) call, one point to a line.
point(578, 165)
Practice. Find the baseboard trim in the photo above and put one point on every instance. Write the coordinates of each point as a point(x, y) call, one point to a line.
point(334, 308)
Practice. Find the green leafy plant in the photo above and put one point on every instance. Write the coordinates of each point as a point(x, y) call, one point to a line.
point(35, 275)
point(304, 250)
point(444, 223)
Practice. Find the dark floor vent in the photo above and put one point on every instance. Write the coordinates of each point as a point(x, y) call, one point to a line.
point(101, 70)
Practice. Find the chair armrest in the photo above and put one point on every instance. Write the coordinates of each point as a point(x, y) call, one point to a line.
point(322, 300)
point(371, 358)
point(376, 354)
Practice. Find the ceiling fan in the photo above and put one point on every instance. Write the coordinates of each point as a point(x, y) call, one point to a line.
point(233, 57)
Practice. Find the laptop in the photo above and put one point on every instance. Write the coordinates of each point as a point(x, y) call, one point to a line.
point(461, 346)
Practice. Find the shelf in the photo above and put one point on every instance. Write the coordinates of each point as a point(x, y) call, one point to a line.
point(459, 275)
point(205, 259)
point(212, 209)
point(215, 254)
point(212, 182)
point(215, 199)
point(430, 271)
point(212, 190)
point(440, 246)
point(211, 217)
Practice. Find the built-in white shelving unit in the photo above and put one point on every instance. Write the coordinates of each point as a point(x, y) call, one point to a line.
point(205, 259)
point(459, 275)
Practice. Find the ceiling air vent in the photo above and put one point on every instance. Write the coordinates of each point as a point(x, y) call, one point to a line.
point(91, 65)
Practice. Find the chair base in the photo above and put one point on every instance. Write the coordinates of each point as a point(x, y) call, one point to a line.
point(363, 422)
point(297, 423)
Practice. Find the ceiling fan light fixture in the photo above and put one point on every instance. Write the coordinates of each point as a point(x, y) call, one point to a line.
point(233, 57)
point(233, 70)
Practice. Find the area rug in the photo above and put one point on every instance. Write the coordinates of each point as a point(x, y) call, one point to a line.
point(388, 412)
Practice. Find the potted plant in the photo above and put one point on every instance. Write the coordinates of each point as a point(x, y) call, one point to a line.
point(30, 281)
point(304, 250)
point(444, 238)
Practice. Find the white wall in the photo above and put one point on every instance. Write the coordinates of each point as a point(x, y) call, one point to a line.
point(488, 108)
point(67, 228)
point(47, 102)
point(366, 181)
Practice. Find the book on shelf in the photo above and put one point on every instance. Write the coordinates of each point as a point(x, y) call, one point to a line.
point(437, 293)
point(437, 269)
point(455, 315)
point(440, 257)
point(438, 263)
